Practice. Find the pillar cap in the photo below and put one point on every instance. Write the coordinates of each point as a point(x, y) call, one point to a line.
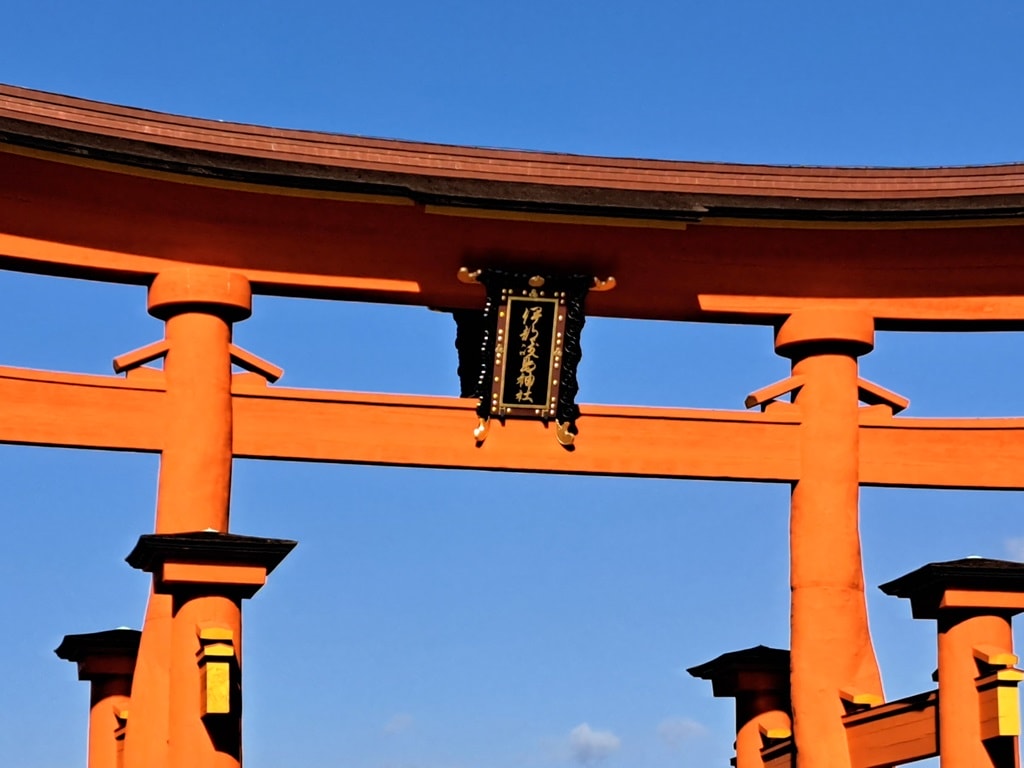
point(206, 289)
point(110, 642)
point(110, 652)
point(851, 330)
point(208, 548)
point(747, 670)
point(927, 587)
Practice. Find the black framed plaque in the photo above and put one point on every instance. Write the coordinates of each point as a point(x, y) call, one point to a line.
point(518, 356)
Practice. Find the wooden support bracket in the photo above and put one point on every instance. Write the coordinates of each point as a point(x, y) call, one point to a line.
point(869, 393)
point(874, 394)
point(141, 356)
point(763, 397)
point(249, 362)
point(240, 357)
point(472, 277)
point(855, 701)
point(771, 736)
point(994, 656)
point(465, 275)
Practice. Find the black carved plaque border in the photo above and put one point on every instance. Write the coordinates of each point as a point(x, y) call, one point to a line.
point(484, 338)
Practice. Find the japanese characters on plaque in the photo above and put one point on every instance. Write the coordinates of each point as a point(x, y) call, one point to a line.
point(518, 355)
point(528, 354)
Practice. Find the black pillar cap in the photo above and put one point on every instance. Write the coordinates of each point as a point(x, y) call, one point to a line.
point(724, 672)
point(925, 586)
point(208, 547)
point(111, 642)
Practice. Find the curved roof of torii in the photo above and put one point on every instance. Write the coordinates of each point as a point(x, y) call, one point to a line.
point(541, 181)
point(131, 185)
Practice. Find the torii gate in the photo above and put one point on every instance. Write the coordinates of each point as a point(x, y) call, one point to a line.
point(206, 213)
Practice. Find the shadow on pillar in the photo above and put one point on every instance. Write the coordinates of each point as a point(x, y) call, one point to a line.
point(225, 735)
point(1003, 752)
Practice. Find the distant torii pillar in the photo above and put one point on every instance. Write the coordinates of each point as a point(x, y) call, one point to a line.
point(758, 679)
point(972, 601)
point(107, 661)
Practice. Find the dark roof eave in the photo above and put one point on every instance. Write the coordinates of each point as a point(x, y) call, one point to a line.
point(491, 194)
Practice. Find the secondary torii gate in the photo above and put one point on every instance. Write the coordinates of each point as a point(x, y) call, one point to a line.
point(206, 213)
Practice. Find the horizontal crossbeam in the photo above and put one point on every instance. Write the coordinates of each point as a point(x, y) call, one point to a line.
point(106, 412)
point(437, 432)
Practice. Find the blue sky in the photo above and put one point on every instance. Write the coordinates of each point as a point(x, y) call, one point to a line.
point(413, 627)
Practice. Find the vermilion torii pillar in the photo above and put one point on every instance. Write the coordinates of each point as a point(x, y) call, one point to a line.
point(758, 680)
point(107, 661)
point(206, 574)
point(199, 305)
point(973, 602)
point(831, 644)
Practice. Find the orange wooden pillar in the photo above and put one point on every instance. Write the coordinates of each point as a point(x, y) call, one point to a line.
point(830, 643)
point(199, 305)
point(107, 661)
point(972, 601)
point(758, 679)
point(206, 575)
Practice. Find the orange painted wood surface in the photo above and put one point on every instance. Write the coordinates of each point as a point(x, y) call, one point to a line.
point(80, 411)
point(109, 699)
point(195, 573)
point(830, 641)
point(960, 708)
point(896, 732)
point(107, 412)
point(121, 194)
point(943, 453)
point(437, 432)
point(404, 255)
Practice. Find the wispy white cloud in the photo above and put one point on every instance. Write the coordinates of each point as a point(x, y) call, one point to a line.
point(398, 723)
point(1015, 547)
point(676, 730)
point(587, 745)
